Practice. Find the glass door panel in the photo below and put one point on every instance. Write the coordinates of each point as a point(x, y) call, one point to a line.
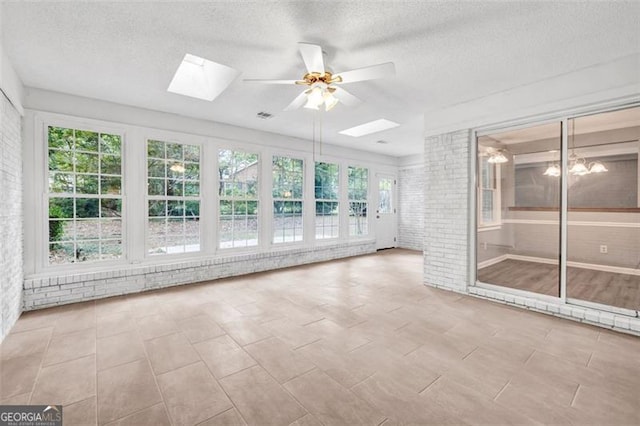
point(518, 221)
point(603, 234)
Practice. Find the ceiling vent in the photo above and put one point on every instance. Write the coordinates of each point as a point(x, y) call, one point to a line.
point(382, 142)
point(264, 115)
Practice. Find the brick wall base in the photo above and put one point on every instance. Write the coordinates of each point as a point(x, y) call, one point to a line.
point(60, 290)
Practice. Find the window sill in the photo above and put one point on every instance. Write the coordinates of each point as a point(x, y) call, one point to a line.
point(72, 273)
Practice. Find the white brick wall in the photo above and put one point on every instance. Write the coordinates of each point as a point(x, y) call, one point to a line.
point(446, 210)
point(411, 191)
point(60, 290)
point(11, 272)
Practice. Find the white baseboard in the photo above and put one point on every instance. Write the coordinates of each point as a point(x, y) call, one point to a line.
point(593, 266)
point(492, 261)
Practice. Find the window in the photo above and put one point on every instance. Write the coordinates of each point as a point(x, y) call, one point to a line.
point(326, 193)
point(358, 196)
point(238, 191)
point(173, 190)
point(489, 193)
point(385, 202)
point(288, 177)
point(85, 196)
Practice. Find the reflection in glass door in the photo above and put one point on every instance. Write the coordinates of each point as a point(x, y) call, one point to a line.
point(604, 211)
point(518, 221)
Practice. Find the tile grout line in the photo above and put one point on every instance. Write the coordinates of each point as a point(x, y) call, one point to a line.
point(589, 360)
point(530, 356)
point(384, 421)
point(429, 385)
point(313, 322)
point(306, 344)
point(495, 398)
point(575, 395)
point(360, 346)
point(472, 351)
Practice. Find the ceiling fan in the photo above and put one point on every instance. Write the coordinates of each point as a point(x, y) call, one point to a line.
point(323, 85)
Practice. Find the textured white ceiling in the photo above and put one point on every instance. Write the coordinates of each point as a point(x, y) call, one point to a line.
point(445, 53)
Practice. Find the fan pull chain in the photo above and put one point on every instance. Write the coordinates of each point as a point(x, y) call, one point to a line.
point(320, 114)
point(313, 139)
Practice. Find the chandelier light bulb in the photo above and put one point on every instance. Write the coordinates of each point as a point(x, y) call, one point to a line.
point(498, 158)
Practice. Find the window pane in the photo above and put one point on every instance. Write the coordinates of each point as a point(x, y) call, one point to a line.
point(110, 144)
point(61, 160)
point(86, 163)
point(358, 223)
point(87, 184)
point(288, 183)
point(61, 208)
point(87, 207)
point(155, 149)
point(288, 179)
point(384, 195)
point(61, 138)
point(358, 188)
point(174, 211)
point(110, 185)
point(110, 164)
point(86, 141)
point(287, 221)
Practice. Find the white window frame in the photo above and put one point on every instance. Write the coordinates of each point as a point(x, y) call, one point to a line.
point(303, 199)
point(37, 238)
point(167, 198)
point(496, 223)
point(327, 200)
point(74, 196)
point(367, 234)
point(258, 199)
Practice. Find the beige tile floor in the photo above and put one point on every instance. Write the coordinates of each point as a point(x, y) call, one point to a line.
point(357, 341)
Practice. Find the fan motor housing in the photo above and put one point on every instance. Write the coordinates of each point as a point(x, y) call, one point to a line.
point(316, 77)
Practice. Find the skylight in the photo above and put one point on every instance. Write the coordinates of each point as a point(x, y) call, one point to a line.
point(201, 78)
point(370, 127)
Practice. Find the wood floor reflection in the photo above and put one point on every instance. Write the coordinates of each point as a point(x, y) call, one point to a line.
point(607, 288)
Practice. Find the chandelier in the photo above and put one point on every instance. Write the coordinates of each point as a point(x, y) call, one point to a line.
point(577, 164)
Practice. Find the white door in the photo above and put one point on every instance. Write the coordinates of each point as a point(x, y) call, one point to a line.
point(386, 212)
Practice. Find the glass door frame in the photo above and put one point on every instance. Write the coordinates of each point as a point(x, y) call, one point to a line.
point(563, 119)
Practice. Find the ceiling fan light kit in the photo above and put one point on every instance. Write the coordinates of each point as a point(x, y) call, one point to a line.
point(322, 83)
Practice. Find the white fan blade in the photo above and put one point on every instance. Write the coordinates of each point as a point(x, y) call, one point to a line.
point(270, 81)
point(297, 102)
point(345, 97)
point(368, 73)
point(312, 57)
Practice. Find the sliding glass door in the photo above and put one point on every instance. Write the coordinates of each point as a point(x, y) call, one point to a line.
point(523, 223)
